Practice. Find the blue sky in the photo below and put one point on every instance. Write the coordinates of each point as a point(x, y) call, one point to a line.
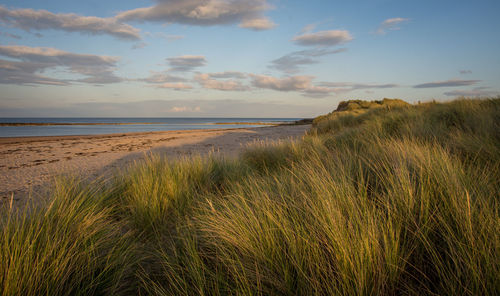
point(230, 58)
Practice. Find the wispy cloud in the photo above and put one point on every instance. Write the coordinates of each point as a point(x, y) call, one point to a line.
point(447, 83)
point(249, 14)
point(292, 62)
point(346, 87)
point(228, 74)
point(355, 86)
point(160, 77)
point(174, 37)
point(30, 19)
point(311, 27)
point(139, 45)
point(34, 60)
point(165, 80)
point(319, 52)
point(391, 24)
point(476, 92)
point(6, 34)
point(301, 84)
point(168, 37)
point(186, 63)
point(293, 83)
point(308, 28)
point(464, 72)
point(323, 38)
point(209, 81)
point(257, 24)
point(175, 85)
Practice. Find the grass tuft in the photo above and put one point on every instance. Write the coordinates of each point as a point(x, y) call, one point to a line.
point(379, 198)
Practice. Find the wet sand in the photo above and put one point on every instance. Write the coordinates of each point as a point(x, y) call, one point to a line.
point(28, 165)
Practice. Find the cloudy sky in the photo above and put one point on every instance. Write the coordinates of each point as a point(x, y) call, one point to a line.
point(247, 58)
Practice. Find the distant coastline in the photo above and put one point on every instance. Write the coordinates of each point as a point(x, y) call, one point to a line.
point(33, 127)
point(69, 123)
point(119, 123)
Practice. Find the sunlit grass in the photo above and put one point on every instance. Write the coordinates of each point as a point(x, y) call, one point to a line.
point(396, 199)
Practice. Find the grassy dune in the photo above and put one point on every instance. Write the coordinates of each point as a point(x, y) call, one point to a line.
point(380, 198)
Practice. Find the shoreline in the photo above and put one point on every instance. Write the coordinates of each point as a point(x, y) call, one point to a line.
point(129, 123)
point(32, 135)
point(29, 139)
point(29, 164)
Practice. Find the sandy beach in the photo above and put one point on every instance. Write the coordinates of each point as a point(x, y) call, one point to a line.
point(28, 165)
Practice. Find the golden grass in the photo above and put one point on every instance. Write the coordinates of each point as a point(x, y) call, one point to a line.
point(391, 200)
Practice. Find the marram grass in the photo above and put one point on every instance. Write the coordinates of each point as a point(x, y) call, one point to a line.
point(379, 198)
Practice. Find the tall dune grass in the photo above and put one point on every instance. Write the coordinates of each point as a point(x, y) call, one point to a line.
point(391, 200)
point(72, 246)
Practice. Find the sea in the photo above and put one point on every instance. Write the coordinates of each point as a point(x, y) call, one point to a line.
point(39, 127)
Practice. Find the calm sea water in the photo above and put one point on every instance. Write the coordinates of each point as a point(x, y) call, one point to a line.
point(128, 125)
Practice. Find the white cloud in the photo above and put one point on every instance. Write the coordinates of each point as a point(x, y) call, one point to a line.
point(301, 84)
point(293, 83)
point(249, 13)
point(257, 24)
point(30, 19)
point(207, 81)
point(185, 109)
point(323, 38)
point(391, 24)
point(178, 109)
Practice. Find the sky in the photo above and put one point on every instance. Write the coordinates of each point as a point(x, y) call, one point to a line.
point(240, 58)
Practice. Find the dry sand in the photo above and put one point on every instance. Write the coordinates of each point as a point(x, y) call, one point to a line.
point(27, 165)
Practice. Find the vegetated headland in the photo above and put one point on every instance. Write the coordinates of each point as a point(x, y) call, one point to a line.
point(379, 198)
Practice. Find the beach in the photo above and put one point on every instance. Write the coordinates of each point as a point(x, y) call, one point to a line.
point(29, 164)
